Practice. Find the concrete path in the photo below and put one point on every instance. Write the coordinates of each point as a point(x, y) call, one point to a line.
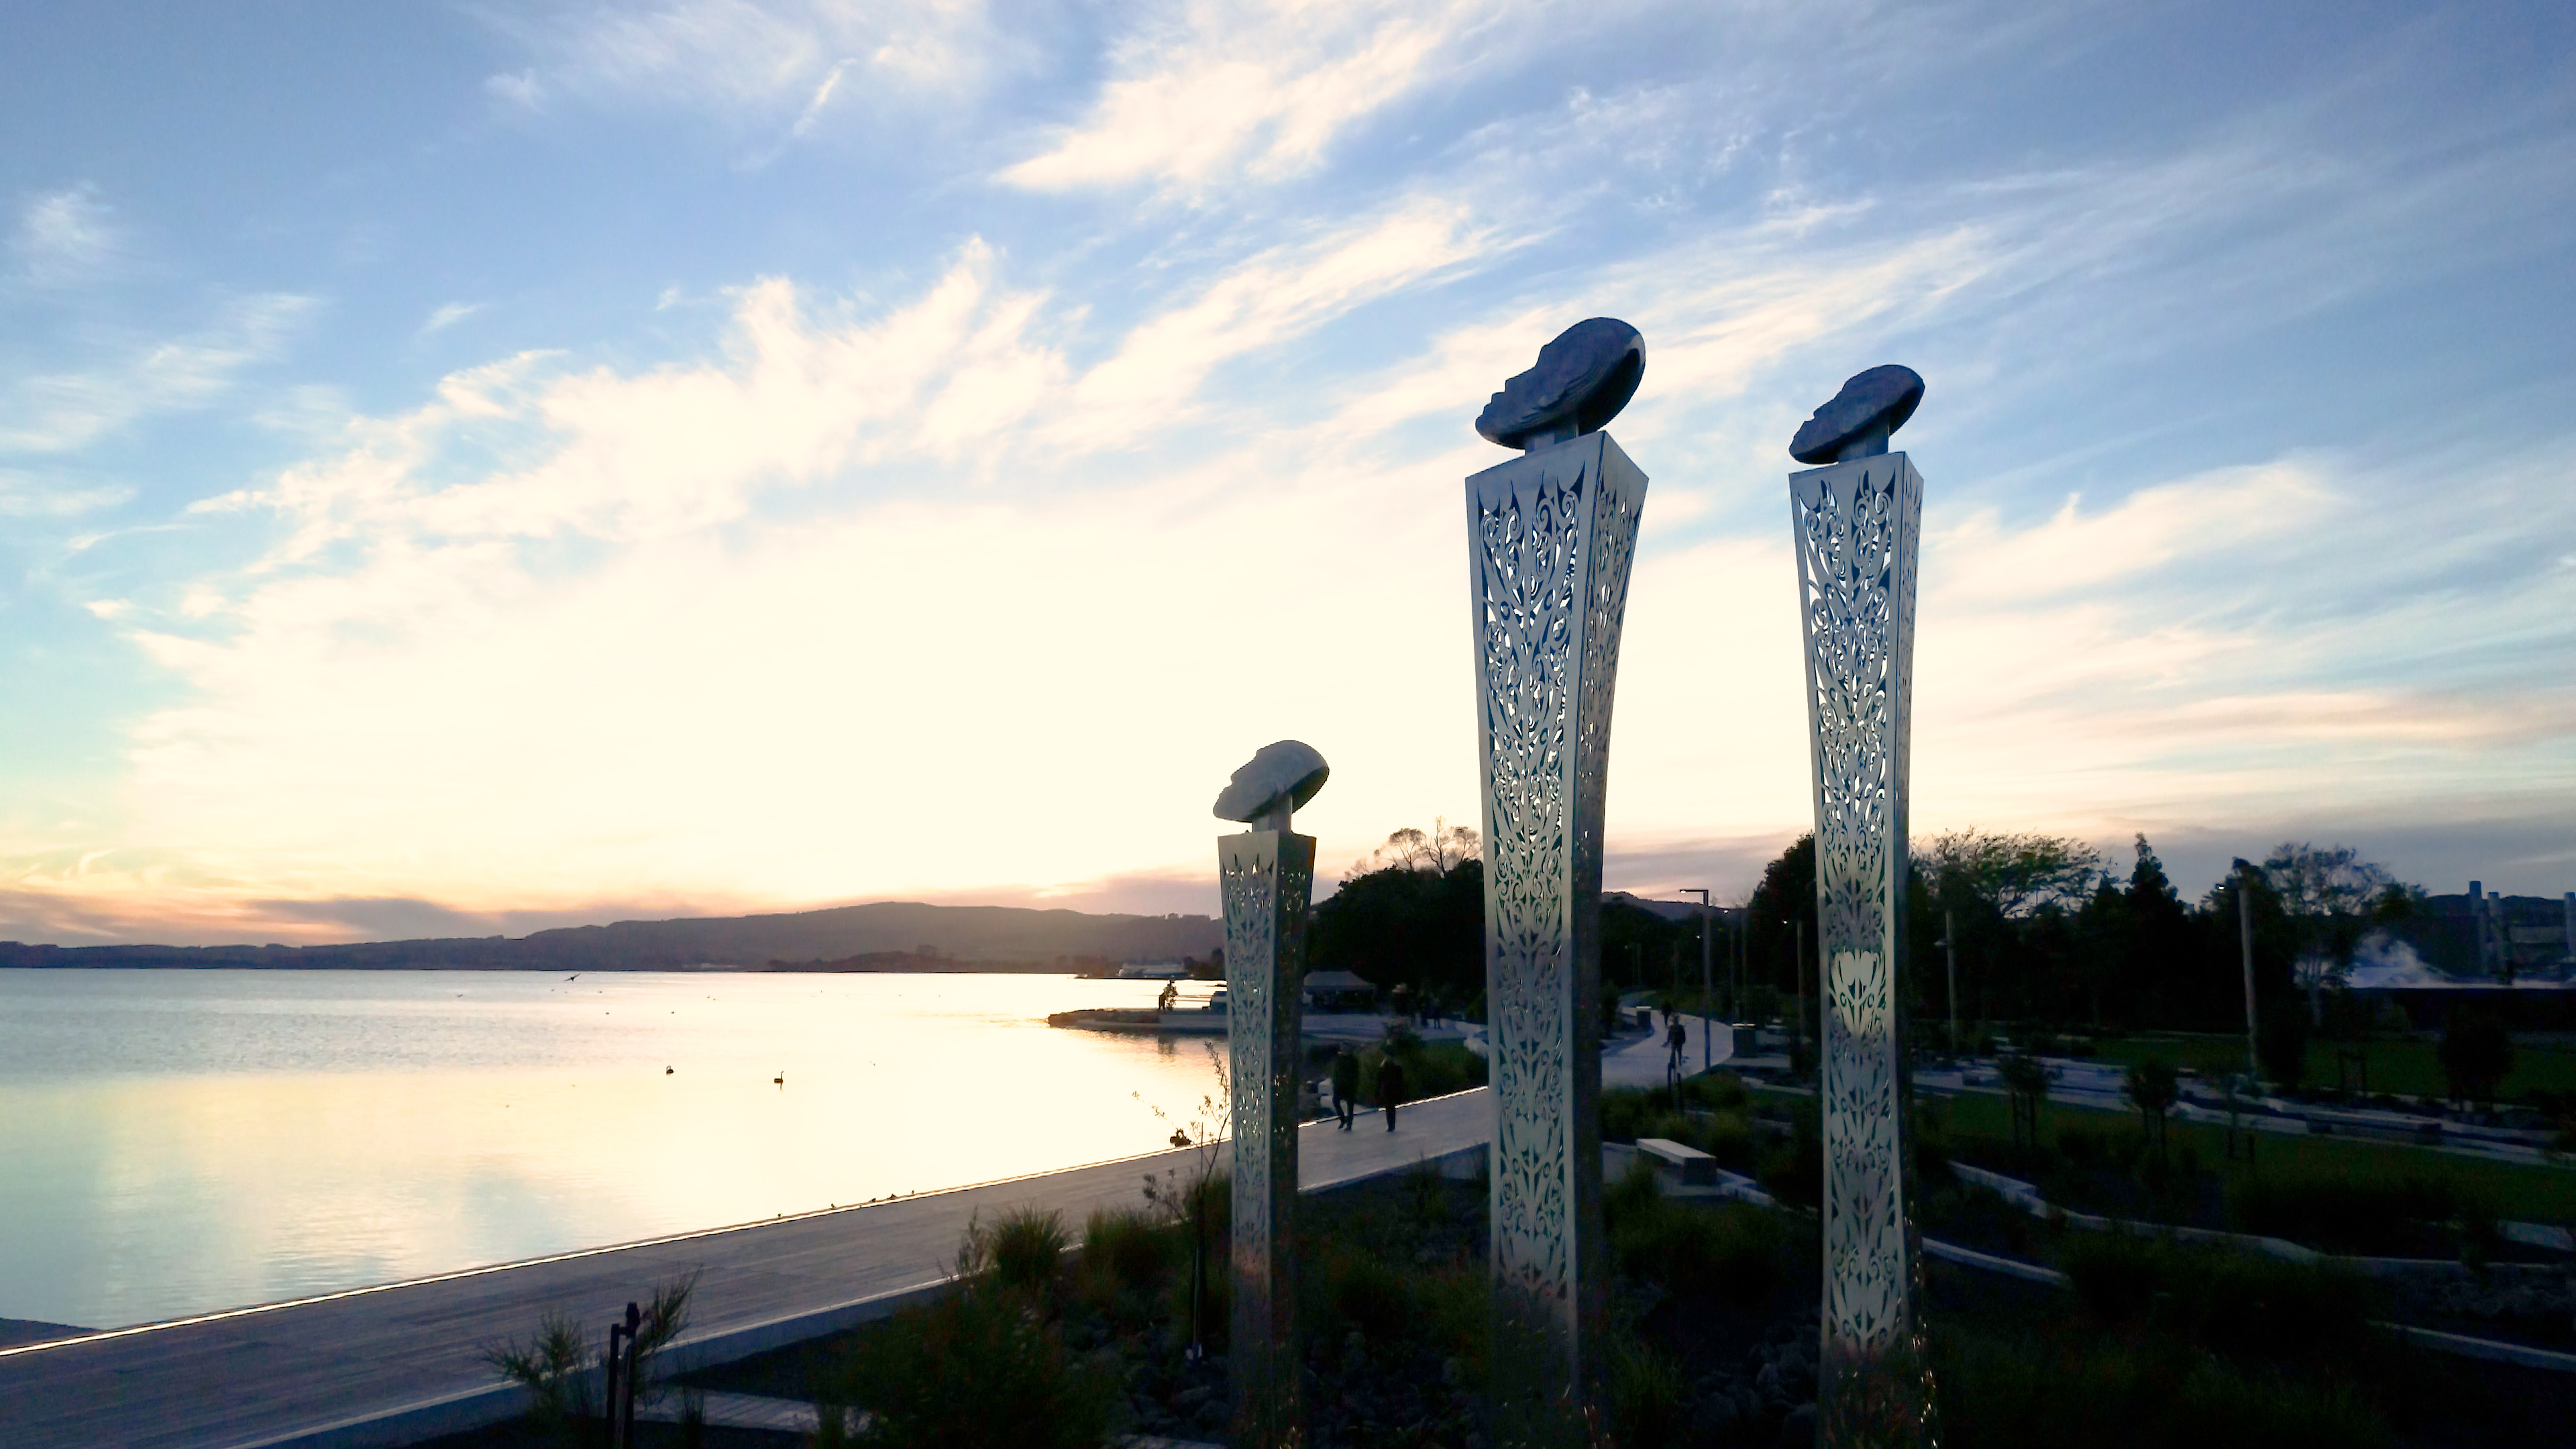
point(402, 1362)
point(1639, 1062)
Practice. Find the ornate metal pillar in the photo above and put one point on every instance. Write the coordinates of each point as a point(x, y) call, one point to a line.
point(1550, 538)
point(1266, 876)
point(1857, 522)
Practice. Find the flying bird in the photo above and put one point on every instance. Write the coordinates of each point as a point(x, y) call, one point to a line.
point(781, 1078)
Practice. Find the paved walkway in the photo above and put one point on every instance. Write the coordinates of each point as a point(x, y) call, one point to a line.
point(1639, 1062)
point(398, 1363)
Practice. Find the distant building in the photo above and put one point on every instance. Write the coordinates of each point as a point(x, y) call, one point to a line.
point(1153, 971)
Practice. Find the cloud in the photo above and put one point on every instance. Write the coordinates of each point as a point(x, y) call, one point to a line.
point(1263, 86)
point(741, 63)
point(26, 495)
point(58, 412)
point(448, 315)
point(65, 236)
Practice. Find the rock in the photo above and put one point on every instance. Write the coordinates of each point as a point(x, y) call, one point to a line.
point(1279, 776)
point(1193, 1397)
point(1580, 382)
point(1859, 419)
point(1798, 1431)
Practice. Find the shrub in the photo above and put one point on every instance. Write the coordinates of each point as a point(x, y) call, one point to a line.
point(2114, 1148)
point(1644, 1393)
point(1369, 1295)
point(2338, 1213)
point(1726, 1136)
point(2258, 1307)
point(552, 1365)
point(1795, 1174)
point(2124, 1393)
point(980, 1367)
point(1731, 1250)
point(1023, 1249)
point(2115, 1275)
point(1123, 1249)
point(1637, 1192)
point(1623, 1111)
point(1722, 1090)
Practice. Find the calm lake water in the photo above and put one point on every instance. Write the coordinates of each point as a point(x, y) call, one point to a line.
point(173, 1142)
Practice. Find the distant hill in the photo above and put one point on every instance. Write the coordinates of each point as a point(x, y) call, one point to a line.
point(880, 936)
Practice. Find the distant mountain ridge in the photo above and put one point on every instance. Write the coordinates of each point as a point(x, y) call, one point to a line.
point(906, 935)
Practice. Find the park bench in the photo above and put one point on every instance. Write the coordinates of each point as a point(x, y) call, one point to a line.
point(1697, 1168)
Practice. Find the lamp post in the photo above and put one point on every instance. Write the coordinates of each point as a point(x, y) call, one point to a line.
point(2245, 945)
point(1950, 947)
point(1707, 980)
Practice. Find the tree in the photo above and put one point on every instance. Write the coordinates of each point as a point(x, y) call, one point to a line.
point(2476, 1055)
point(2330, 895)
point(2015, 872)
point(2322, 883)
point(1439, 850)
point(2025, 1078)
point(2162, 937)
point(2153, 1087)
point(1785, 898)
point(1400, 926)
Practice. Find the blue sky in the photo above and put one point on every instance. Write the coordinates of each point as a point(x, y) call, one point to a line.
point(474, 468)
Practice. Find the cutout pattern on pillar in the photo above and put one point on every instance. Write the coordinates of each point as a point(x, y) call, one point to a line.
point(1552, 535)
point(1856, 524)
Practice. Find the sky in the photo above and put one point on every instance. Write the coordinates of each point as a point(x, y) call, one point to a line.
point(472, 468)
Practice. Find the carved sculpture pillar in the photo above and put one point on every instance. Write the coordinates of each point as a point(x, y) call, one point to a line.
point(1856, 525)
point(1550, 538)
point(1266, 876)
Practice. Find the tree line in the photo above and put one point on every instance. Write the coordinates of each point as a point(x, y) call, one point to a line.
point(2042, 928)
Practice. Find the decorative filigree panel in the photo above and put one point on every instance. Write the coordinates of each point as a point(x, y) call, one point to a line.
point(1551, 536)
point(1266, 879)
point(1856, 524)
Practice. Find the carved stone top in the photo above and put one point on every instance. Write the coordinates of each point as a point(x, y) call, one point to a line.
point(1856, 424)
point(1275, 781)
point(1580, 382)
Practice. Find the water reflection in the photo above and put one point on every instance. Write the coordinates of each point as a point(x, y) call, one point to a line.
point(173, 1142)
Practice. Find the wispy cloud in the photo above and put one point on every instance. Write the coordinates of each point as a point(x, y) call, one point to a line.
point(743, 62)
point(24, 495)
point(1260, 86)
point(65, 236)
point(448, 315)
point(56, 412)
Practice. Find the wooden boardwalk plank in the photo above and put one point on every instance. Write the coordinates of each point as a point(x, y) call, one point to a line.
point(390, 1364)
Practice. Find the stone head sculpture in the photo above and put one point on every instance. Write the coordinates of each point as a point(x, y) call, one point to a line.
point(1580, 383)
point(1857, 422)
point(1273, 783)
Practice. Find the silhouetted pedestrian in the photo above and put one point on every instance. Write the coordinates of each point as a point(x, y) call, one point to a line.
point(1346, 1085)
point(1390, 1088)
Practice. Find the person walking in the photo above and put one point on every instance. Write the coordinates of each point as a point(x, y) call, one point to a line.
point(1390, 1088)
point(1346, 1085)
point(1674, 1038)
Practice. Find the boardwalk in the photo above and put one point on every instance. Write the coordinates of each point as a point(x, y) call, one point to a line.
point(391, 1364)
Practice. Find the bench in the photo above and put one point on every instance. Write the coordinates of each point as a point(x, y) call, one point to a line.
point(1697, 1168)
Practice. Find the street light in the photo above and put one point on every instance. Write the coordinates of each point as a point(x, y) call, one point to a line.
point(1707, 986)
